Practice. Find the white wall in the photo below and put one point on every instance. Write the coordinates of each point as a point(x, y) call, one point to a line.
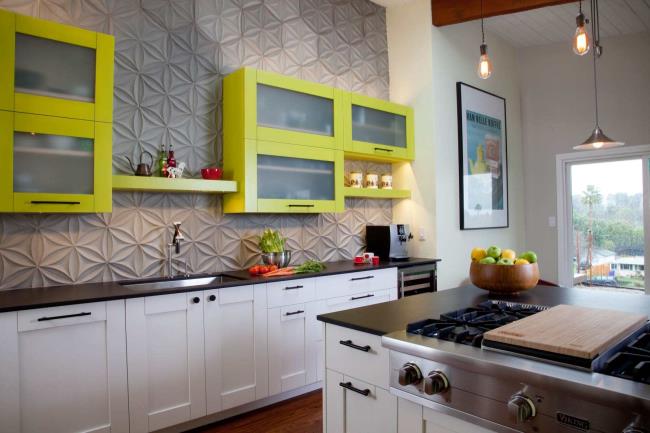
point(429, 83)
point(557, 112)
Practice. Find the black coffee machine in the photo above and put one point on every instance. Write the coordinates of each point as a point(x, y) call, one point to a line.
point(389, 242)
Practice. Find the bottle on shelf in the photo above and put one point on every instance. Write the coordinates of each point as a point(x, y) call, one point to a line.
point(162, 161)
point(171, 161)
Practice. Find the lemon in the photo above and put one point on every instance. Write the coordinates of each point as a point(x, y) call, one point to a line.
point(508, 254)
point(522, 262)
point(478, 254)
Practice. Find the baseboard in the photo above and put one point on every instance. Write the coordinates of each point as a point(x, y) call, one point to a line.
point(219, 416)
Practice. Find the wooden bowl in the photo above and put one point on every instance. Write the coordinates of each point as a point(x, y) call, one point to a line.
point(504, 278)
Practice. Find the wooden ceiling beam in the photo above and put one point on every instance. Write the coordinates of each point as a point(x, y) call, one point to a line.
point(447, 12)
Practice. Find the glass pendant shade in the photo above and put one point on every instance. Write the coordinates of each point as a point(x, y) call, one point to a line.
point(581, 42)
point(598, 140)
point(484, 69)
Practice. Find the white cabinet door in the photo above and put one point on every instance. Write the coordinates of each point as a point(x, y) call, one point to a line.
point(414, 418)
point(353, 406)
point(287, 348)
point(236, 367)
point(63, 369)
point(166, 362)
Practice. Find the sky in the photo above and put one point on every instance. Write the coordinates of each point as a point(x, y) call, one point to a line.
point(608, 177)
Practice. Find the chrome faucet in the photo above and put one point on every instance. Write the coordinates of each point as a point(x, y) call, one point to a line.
point(175, 247)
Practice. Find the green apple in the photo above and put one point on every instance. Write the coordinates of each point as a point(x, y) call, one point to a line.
point(494, 252)
point(487, 261)
point(530, 256)
point(505, 262)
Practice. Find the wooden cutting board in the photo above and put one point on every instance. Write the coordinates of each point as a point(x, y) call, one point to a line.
point(569, 330)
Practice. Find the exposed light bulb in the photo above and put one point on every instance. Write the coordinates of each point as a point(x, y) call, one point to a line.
point(484, 69)
point(581, 42)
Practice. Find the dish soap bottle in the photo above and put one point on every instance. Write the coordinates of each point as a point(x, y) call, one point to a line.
point(162, 161)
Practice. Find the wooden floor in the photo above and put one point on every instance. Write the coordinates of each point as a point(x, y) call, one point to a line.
point(303, 414)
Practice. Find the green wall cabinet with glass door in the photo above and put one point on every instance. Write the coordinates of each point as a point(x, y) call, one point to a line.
point(56, 102)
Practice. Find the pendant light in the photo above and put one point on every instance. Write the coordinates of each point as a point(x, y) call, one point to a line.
point(484, 69)
point(597, 139)
point(581, 43)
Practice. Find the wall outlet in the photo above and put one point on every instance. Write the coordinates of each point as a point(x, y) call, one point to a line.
point(551, 221)
point(421, 234)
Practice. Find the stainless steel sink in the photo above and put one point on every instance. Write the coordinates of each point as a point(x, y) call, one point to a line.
point(179, 283)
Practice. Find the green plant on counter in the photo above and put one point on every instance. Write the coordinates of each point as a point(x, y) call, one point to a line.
point(271, 241)
point(309, 266)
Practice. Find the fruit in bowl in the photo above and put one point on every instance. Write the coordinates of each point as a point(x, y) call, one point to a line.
point(502, 271)
point(211, 173)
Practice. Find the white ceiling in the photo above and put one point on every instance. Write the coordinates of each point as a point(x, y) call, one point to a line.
point(557, 23)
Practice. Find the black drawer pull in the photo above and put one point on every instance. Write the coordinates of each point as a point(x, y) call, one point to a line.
point(349, 343)
point(65, 316)
point(54, 202)
point(383, 150)
point(212, 298)
point(293, 287)
point(293, 313)
point(354, 298)
point(300, 205)
point(348, 385)
point(362, 278)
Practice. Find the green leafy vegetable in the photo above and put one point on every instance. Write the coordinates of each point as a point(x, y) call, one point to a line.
point(271, 241)
point(309, 266)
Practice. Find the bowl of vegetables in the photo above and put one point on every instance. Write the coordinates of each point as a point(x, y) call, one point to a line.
point(272, 246)
point(281, 259)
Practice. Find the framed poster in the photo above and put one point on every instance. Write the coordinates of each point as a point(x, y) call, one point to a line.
point(482, 159)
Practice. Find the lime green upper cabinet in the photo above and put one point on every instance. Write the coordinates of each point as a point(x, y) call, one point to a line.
point(286, 110)
point(377, 130)
point(55, 69)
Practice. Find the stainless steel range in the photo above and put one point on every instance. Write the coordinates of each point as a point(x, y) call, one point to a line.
point(442, 364)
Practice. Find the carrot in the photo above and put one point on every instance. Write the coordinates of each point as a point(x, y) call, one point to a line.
point(280, 272)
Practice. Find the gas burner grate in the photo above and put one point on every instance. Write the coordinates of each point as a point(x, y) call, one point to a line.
point(632, 366)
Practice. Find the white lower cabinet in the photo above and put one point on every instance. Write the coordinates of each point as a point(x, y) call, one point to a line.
point(287, 347)
point(166, 362)
point(414, 418)
point(236, 367)
point(63, 369)
point(354, 406)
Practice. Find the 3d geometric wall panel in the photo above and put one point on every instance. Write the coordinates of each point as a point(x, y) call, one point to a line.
point(170, 60)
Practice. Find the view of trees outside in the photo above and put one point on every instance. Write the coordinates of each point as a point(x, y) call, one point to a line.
point(608, 226)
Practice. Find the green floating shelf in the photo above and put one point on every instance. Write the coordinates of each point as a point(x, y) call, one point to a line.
point(376, 193)
point(162, 184)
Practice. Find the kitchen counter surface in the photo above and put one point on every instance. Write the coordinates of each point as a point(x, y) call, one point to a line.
point(380, 319)
point(39, 297)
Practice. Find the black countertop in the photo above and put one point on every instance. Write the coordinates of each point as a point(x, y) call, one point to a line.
point(39, 297)
point(380, 319)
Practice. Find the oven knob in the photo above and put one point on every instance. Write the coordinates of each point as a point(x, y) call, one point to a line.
point(435, 383)
point(521, 408)
point(409, 374)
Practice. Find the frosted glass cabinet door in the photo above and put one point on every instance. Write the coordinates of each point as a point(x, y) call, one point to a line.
point(285, 109)
point(51, 68)
point(285, 178)
point(380, 127)
point(57, 164)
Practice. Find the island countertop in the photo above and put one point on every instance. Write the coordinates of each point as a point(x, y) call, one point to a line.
point(380, 319)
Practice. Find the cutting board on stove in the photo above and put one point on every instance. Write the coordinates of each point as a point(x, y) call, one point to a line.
point(569, 330)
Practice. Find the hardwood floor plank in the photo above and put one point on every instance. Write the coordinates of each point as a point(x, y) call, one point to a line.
point(302, 414)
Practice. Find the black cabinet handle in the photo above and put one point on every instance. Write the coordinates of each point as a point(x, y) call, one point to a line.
point(350, 344)
point(362, 278)
point(196, 300)
point(354, 298)
point(348, 385)
point(54, 202)
point(293, 287)
point(212, 298)
point(383, 150)
point(293, 313)
point(300, 205)
point(65, 316)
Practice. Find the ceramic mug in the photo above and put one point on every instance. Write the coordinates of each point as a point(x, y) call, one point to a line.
point(356, 179)
point(372, 180)
point(386, 181)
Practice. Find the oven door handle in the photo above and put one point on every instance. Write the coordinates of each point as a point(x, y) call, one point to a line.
point(350, 344)
point(348, 385)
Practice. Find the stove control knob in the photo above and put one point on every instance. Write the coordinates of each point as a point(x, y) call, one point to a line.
point(409, 374)
point(521, 408)
point(435, 383)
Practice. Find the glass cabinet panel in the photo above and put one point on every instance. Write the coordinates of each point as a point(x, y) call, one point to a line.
point(58, 164)
point(52, 68)
point(294, 178)
point(286, 109)
point(380, 127)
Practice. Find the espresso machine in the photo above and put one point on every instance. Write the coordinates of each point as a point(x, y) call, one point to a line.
point(389, 242)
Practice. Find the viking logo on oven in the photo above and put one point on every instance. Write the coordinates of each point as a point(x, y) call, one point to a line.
point(571, 421)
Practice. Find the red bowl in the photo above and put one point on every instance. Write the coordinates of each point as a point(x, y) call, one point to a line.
point(211, 173)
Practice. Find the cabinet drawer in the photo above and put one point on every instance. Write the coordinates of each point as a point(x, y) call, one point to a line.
point(355, 282)
point(290, 292)
point(29, 320)
point(356, 354)
point(357, 300)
